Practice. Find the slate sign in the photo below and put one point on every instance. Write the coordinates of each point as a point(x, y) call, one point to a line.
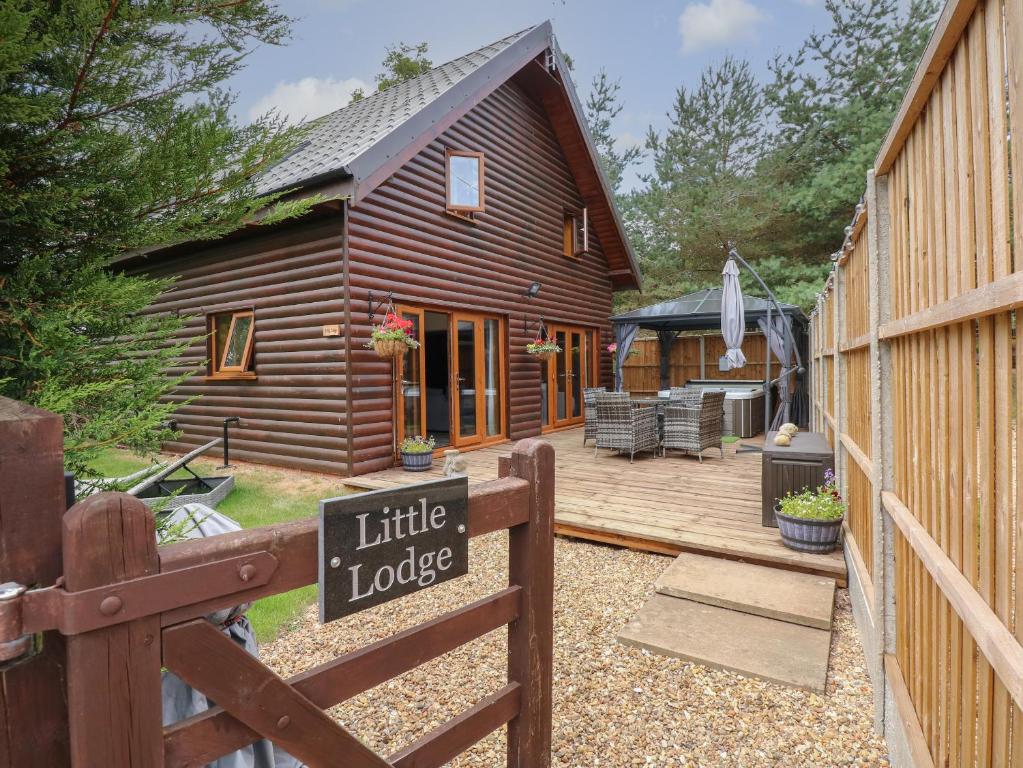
point(380, 545)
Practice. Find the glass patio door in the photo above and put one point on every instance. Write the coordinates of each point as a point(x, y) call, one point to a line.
point(478, 373)
point(566, 375)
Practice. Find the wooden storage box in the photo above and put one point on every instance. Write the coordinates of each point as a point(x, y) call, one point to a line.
point(792, 468)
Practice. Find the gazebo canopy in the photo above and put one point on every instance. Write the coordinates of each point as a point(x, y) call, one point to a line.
point(701, 310)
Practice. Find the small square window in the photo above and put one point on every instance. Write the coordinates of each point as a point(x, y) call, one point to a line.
point(231, 343)
point(464, 181)
point(576, 234)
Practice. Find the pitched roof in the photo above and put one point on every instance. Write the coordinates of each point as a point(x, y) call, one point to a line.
point(335, 140)
point(364, 143)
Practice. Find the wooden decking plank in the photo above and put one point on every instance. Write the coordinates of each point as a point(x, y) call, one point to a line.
point(663, 505)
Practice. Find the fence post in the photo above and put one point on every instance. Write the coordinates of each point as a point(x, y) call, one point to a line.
point(33, 714)
point(531, 636)
point(114, 706)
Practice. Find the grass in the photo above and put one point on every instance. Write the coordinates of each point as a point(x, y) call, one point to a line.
point(261, 496)
point(729, 439)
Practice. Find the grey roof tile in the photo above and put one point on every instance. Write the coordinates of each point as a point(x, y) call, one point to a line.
point(335, 140)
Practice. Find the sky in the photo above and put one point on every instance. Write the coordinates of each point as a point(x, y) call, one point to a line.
point(651, 46)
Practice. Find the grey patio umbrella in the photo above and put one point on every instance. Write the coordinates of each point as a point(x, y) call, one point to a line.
point(733, 315)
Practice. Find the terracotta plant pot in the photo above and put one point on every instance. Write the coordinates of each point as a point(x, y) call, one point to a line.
point(814, 536)
point(390, 347)
point(417, 462)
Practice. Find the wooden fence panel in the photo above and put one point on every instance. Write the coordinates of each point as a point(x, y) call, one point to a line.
point(945, 346)
point(642, 371)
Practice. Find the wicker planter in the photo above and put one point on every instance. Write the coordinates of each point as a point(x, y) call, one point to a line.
point(814, 536)
point(544, 355)
point(390, 347)
point(417, 462)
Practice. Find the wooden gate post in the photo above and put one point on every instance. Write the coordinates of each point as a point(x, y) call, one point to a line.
point(531, 636)
point(33, 715)
point(114, 706)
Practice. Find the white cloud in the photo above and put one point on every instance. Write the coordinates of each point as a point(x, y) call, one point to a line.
point(714, 22)
point(307, 98)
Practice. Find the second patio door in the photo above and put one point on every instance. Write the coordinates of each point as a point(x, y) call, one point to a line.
point(566, 375)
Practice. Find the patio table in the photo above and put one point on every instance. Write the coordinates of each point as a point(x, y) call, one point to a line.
point(660, 403)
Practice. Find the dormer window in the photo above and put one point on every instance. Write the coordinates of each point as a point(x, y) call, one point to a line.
point(576, 234)
point(464, 181)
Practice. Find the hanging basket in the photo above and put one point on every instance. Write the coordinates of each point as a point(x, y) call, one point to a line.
point(390, 347)
point(547, 354)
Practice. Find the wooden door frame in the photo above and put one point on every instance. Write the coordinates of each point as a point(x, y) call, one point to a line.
point(457, 440)
point(399, 399)
point(453, 315)
point(589, 335)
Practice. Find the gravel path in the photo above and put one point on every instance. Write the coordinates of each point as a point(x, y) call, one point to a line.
point(613, 705)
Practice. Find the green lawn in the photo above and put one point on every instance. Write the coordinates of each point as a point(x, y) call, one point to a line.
point(259, 498)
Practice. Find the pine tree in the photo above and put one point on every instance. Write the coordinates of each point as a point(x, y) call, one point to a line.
point(402, 62)
point(835, 99)
point(602, 106)
point(116, 134)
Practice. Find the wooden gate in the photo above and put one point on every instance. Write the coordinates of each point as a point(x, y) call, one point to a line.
point(87, 692)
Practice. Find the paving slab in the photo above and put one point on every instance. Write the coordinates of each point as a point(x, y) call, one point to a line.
point(755, 646)
point(800, 598)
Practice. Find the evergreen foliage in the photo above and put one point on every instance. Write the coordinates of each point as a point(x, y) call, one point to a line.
point(116, 135)
point(402, 62)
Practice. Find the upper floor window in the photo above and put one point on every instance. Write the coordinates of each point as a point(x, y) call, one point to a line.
point(576, 234)
point(464, 180)
point(231, 343)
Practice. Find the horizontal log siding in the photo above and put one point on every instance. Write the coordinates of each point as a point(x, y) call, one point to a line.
point(402, 240)
point(294, 413)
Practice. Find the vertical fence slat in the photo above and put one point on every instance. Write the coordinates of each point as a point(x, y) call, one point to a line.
point(531, 636)
point(114, 706)
point(31, 506)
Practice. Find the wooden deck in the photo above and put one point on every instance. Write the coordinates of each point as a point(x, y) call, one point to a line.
point(665, 505)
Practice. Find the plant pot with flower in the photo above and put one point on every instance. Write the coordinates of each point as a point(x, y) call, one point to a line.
point(417, 453)
point(811, 521)
point(543, 347)
point(393, 337)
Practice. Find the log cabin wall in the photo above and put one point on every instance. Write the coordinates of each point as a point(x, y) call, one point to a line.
point(293, 413)
point(401, 239)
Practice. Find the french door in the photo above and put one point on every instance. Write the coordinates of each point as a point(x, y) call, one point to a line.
point(567, 374)
point(452, 387)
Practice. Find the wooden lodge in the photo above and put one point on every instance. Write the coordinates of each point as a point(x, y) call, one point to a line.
point(448, 196)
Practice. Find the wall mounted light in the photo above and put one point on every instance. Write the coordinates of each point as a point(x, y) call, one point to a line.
point(531, 292)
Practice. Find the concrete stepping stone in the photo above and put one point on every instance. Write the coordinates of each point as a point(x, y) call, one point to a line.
point(800, 598)
point(776, 651)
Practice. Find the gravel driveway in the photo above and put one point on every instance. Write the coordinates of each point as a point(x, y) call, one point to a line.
point(613, 705)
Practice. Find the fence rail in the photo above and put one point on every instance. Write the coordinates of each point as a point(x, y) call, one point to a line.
point(126, 608)
point(923, 391)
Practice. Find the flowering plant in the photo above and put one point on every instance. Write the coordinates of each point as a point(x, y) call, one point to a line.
point(393, 328)
point(612, 348)
point(417, 444)
point(542, 346)
point(825, 503)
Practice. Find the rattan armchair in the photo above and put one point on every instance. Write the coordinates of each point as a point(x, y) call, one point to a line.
point(694, 428)
point(590, 412)
point(623, 427)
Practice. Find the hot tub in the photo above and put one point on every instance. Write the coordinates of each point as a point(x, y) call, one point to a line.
point(744, 404)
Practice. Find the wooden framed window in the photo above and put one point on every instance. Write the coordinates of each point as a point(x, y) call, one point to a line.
point(231, 344)
point(576, 234)
point(465, 192)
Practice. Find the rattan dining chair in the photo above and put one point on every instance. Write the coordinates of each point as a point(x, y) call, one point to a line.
point(590, 412)
point(694, 428)
point(624, 427)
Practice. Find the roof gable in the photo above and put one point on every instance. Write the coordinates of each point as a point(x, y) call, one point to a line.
point(363, 144)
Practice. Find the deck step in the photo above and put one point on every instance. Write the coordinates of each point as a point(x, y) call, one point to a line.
point(776, 651)
point(798, 598)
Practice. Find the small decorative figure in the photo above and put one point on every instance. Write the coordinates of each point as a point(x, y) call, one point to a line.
point(454, 463)
point(782, 438)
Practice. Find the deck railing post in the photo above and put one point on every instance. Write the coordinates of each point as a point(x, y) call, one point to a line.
point(33, 713)
point(880, 438)
point(530, 637)
point(113, 683)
